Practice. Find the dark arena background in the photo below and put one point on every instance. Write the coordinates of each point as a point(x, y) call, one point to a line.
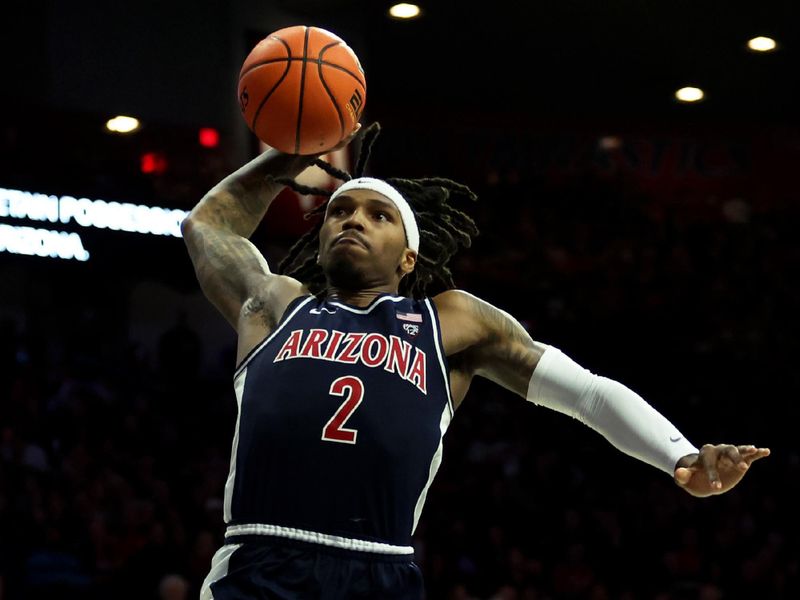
point(654, 240)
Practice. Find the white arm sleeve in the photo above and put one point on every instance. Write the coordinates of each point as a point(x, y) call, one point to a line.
point(608, 407)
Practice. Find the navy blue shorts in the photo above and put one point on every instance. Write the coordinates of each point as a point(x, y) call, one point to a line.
point(275, 568)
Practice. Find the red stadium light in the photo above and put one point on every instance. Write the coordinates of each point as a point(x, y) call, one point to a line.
point(153, 163)
point(208, 137)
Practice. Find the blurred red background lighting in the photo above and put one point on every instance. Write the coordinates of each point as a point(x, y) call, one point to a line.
point(153, 163)
point(209, 137)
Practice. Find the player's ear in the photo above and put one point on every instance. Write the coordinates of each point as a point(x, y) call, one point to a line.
point(408, 261)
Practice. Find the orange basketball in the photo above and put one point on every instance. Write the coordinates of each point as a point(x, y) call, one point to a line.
point(302, 90)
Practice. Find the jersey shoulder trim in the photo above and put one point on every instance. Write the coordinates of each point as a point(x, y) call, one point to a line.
point(437, 342)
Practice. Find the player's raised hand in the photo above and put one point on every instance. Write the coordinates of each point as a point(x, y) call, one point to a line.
point(716, 469)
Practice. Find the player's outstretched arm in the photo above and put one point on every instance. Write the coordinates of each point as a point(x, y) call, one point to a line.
point(489, 342)
point(232, 272)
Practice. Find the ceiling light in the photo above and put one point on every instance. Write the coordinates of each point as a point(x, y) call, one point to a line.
point(761, 44)
point(122, 124)
point(689, 94)
point(404, 11)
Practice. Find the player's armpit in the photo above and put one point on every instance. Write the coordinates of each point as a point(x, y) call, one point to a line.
point(496, 345)
point(235, 276)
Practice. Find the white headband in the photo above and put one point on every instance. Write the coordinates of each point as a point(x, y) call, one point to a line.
point(383, 188)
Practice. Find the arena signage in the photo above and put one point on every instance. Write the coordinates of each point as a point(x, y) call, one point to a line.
point(97, 214)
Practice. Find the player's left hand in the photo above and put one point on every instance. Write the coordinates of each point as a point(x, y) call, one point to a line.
point(716, 469)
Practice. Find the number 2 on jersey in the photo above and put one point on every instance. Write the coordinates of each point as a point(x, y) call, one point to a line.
point(353, 390)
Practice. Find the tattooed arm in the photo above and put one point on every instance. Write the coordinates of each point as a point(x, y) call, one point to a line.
point(232, 273)
point(480, 339)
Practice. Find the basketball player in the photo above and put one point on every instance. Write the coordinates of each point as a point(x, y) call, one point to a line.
point(349, 375)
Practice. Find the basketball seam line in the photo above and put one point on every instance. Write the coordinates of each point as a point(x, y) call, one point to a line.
point(274, 87)
point(302, 91)
point(298, 58)
point(327, 89)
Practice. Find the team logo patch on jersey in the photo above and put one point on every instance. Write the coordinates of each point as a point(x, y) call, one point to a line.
point(411, 329)
point(413, 317)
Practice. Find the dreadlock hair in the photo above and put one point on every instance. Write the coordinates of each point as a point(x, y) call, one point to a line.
point(442, 228)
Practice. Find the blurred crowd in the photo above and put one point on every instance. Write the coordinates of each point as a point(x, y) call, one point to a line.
point(113, 460)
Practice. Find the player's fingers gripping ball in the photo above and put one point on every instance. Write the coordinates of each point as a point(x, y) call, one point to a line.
point(302, 90)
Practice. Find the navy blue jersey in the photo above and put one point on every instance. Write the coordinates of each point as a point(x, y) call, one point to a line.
point(341, 416)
